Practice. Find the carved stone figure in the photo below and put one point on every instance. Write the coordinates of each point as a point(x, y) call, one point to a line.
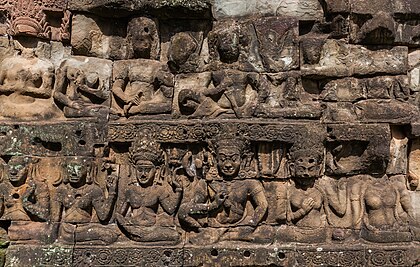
point(151, 197)
point(233, 160)
point(82, 87)
point(25, 201)
point(142, 87)
point(306, 201)
point(26, 87)
point(305, 197)
point(225, 92)
point(187, 171)
point(234, 45)
point(80, 204)
point(143, 38)
point(382, 221)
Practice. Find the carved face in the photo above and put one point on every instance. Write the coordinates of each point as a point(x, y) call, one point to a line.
point(76, 172)
point(142, 34)
point(174, 155)
point(228, 46)
point(229, 161)
point(182, 47)
point(145, 172)
point(413, 181)
point(17, 169)
point(305, 167)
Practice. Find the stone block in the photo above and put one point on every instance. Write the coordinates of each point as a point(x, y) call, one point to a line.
point(166, 9)
point(305, 10)
point(358, 148)
point(338, 59)
point(93, 36)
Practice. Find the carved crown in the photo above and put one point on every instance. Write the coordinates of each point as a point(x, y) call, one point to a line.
point(145, 150)
point(28, 18)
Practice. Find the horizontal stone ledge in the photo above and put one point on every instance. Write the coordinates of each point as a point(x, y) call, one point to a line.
point(190, 131)
point(220, 255)
point(187, 9)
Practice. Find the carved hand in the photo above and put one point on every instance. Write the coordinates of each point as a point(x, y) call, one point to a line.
point(220, 198)
point(75, 105)
point(30, 190)
point(135, 100)
point(308, 204)
point(111, 182)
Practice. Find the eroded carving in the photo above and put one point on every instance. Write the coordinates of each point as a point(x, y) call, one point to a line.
point(26, 87)
point(82, 88)
point(162, 136)
point(80, 204)
point(25, 200)
point(142, 87)
point(148, 189)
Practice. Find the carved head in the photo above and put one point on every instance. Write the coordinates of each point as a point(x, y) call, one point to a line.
point(143, 37)
point(183, 45)
point(77, 171)
point(18, 169)
point(228, 45)
point(228, 154)
point(174, 155)
point(145, 156)
point(413, 180)
point(305, 164)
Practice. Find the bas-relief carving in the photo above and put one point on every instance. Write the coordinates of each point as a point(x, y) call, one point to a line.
point(45, 19)
point(216, 93)
point(202, 137)
point(27, 84)
point(150, 198)
point(82, 89)
point(25, 200)
point(141, 87)
point(80, 205)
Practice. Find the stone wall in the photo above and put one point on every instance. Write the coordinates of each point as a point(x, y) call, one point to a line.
point(210, 133)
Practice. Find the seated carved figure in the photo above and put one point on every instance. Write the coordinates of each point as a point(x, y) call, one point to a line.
point(82, 87)
point(187, 169)
point(24, 201)
point(226, 92)
point(26, 86)
point(142, 86)
point(234, 194)
point(150, 199)
point(381, 219)
point(78, 198)
point(306, 201)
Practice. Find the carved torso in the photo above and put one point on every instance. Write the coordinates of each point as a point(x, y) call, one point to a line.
point(313, 218)
point(381, 199)
point(13, 202)
point(78, 202)
point(238, 193)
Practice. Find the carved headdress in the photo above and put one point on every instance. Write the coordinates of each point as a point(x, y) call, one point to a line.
point(28, 18)
point(145, 151)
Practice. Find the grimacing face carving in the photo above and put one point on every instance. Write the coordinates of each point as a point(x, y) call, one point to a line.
point(306, 167)
point(229, 161)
